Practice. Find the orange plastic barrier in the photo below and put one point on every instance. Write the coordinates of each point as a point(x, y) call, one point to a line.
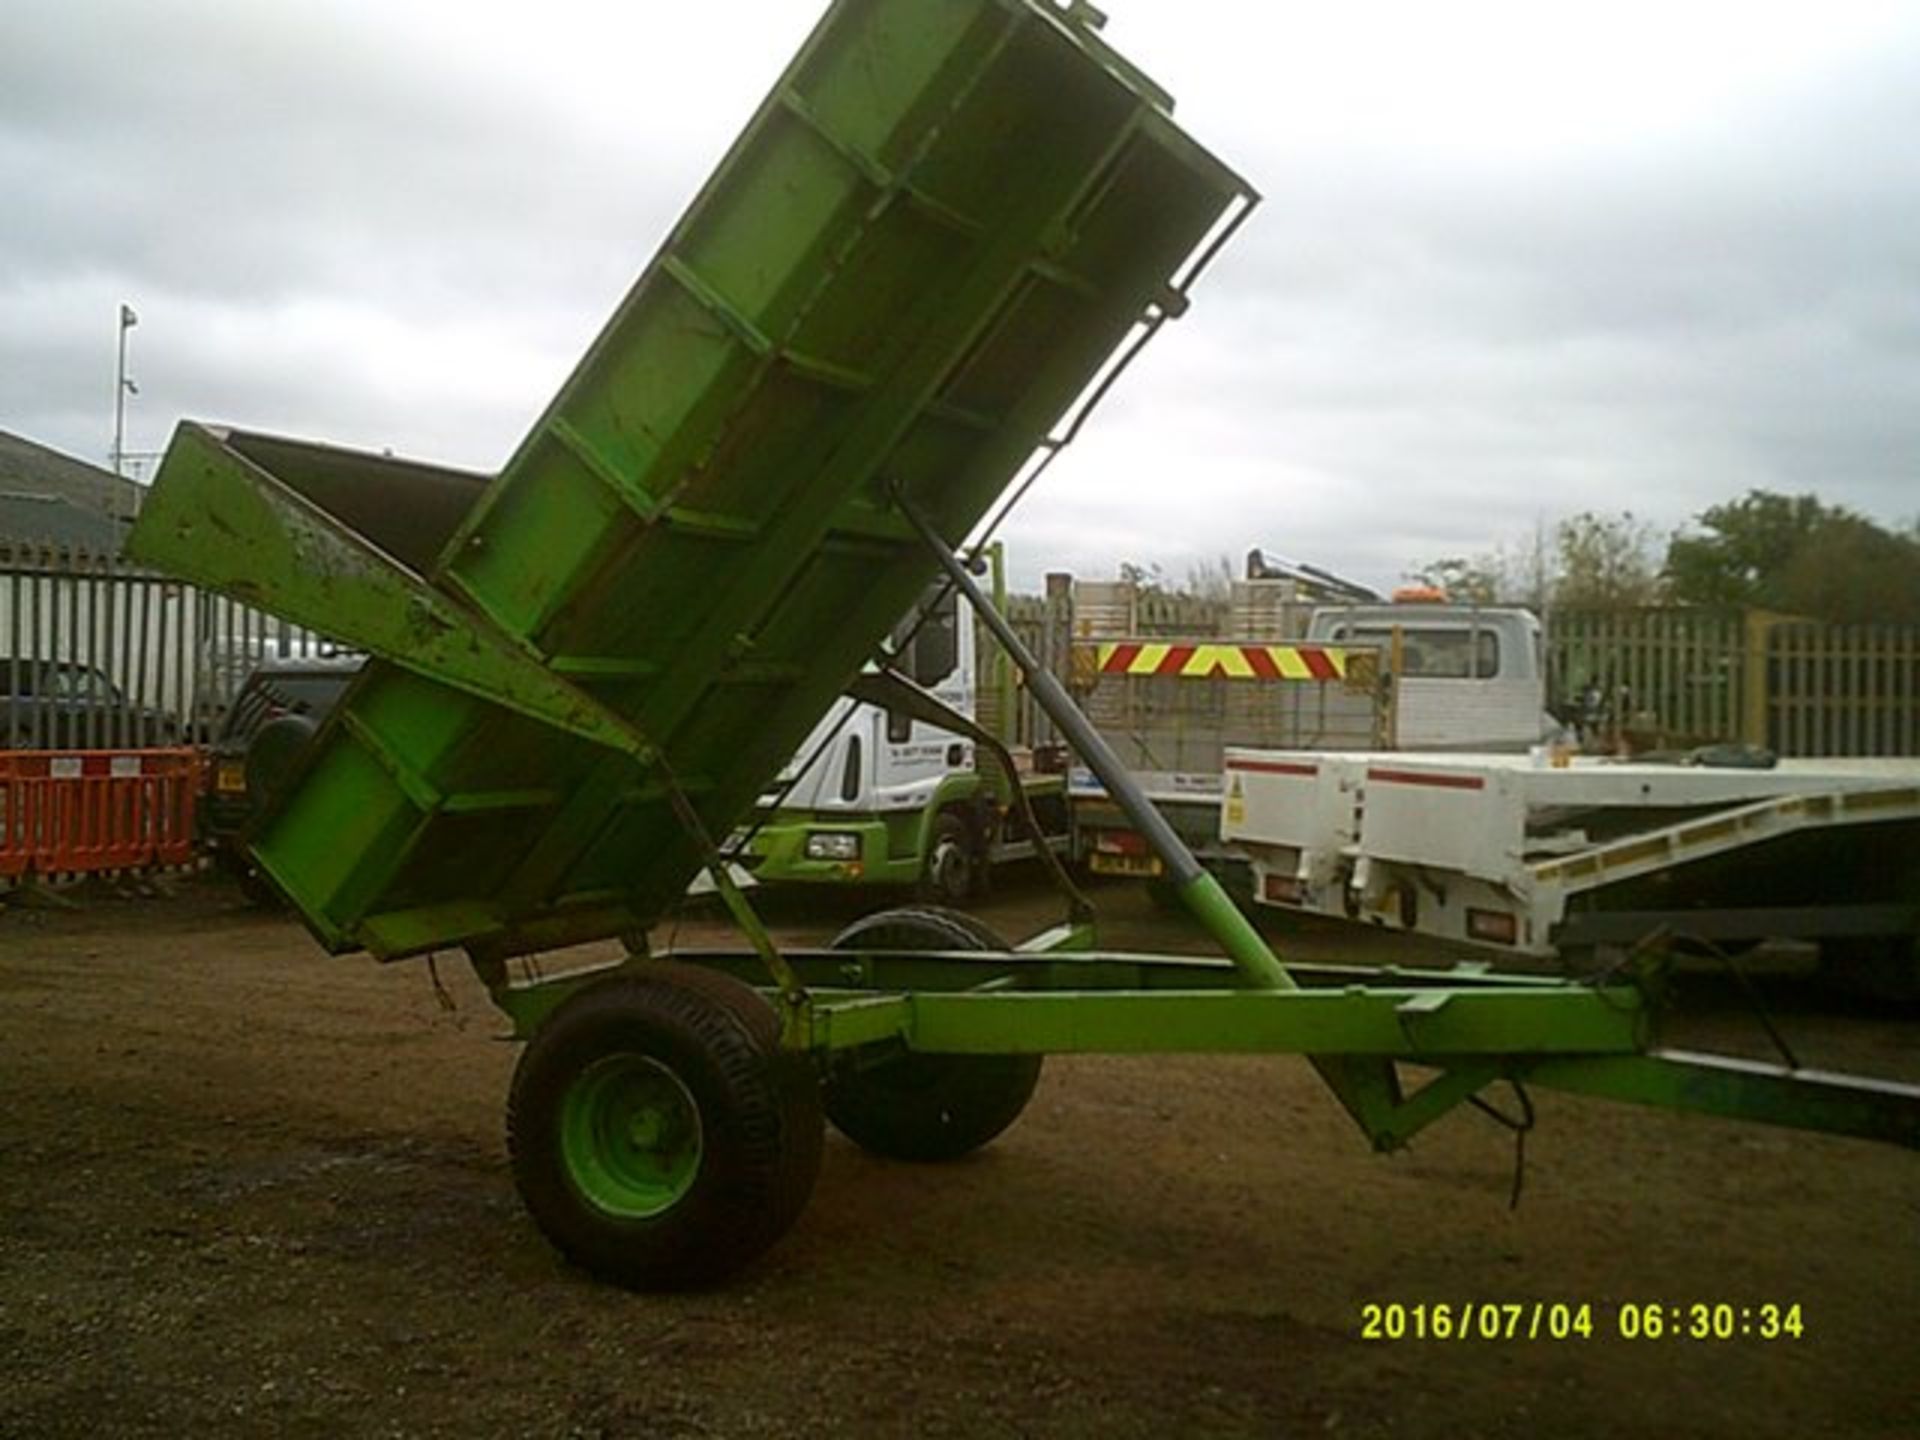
point(78, 812)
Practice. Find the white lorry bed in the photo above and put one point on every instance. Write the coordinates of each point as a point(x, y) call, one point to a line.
point(1511, 852)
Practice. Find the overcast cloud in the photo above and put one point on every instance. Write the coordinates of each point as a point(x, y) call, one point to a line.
point(1515, 260)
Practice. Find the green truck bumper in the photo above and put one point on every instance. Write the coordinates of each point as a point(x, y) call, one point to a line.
point(807, 850)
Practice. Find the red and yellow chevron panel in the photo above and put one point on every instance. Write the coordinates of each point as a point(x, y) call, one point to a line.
point(1201, 661)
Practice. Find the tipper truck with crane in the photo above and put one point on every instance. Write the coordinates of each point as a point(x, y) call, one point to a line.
point(1360, 674)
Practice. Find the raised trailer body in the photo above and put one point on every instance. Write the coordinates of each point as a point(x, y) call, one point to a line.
point(927, 257)
point(939, 228)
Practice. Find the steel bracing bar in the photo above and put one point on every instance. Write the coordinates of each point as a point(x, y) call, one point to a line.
point(1745, 1090)
point(1359, 1028)
point(1198, 890)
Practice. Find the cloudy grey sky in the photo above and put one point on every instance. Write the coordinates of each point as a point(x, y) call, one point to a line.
point(1516, 260)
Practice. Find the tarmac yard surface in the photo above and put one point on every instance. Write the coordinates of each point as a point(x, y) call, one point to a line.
point(249, 1190)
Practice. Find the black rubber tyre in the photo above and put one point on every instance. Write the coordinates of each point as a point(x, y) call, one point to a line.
point(952, 874)
point(273, 752)
point(694, 1198)
point(928, 1107)
point(255, 887)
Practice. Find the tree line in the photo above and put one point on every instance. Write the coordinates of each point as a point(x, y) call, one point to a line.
point(1792, 553)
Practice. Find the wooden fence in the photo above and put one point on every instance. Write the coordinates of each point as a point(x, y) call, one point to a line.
point(1685, 676)
point(1839, 689)
point(99, 654)
point(1678, 672)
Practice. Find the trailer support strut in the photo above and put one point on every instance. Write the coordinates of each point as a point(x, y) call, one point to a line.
point(1198, 890)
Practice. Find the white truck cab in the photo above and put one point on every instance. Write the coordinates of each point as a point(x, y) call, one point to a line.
point(876, 761)
point(1470, 677)
point(875, 797)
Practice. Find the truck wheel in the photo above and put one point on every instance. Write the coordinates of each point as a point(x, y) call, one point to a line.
point(659, 1135)
point(928, 1107)
point(272, 753)
point(951, 876)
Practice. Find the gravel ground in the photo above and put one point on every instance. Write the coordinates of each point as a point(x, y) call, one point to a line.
point(249, 1190)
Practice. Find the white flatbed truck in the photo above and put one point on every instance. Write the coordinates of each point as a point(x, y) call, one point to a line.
point(1515, 853)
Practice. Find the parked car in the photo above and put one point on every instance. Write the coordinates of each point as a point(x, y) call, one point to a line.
point(271, 720)
point(67, 705)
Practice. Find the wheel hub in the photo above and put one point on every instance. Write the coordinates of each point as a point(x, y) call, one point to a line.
point(630, 1135)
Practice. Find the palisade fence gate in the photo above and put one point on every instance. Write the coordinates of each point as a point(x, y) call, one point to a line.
point(99, 654)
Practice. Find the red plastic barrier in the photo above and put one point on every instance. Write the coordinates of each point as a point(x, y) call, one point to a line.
point(79, 812)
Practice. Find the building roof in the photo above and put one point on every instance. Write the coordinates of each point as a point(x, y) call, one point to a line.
point(47, 498)
point(39, 521)
point(30, 469)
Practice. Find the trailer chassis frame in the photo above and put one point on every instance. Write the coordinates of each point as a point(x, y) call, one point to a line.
point(1471, 1026)
point(1468, 1026)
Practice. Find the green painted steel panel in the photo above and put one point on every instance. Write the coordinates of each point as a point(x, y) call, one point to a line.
point(932, 236)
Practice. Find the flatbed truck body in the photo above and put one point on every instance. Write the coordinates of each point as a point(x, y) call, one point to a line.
point(1518, 854)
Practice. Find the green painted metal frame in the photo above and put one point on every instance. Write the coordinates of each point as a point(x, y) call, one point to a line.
point(596, 665)
point(1369, 1031)
point(696, 546)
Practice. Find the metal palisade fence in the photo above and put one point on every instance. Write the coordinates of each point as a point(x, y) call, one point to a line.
point(99, 654)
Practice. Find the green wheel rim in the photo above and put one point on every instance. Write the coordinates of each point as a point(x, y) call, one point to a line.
point(630, 1136)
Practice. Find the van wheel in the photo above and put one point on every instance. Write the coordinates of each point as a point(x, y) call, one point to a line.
point(952, 874)
point(255, 887)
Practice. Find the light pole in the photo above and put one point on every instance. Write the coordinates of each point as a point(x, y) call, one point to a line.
point(123, 388)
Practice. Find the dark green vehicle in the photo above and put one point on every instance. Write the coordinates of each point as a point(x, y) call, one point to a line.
point(279, 709)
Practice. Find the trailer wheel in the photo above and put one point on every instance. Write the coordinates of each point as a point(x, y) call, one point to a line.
point(928, 1107)
point(952, 875)
point(659, 1135)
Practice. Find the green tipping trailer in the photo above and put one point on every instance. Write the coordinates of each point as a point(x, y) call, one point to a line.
point(932, 250)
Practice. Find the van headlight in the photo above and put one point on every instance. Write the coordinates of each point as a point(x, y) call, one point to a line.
point(833, 845)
